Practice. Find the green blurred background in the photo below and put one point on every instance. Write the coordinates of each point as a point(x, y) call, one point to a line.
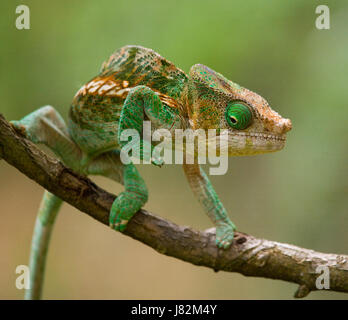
point(297, 196)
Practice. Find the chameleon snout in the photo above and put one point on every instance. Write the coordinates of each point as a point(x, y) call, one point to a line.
point(285, 125)
point(281, 126)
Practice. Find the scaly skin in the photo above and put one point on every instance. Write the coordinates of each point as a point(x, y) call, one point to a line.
point(134, 85)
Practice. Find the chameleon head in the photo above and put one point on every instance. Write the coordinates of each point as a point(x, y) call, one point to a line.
point(215, 102)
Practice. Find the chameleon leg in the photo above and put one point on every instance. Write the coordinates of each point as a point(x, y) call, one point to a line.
point(142, 100)
point(49, 208)
point(132, 198)
point(46, 126)
point(206, 195)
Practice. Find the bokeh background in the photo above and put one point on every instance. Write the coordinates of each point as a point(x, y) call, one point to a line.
point(298, 195)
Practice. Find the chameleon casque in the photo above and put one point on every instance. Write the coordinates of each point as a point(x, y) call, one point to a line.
point(134, 85)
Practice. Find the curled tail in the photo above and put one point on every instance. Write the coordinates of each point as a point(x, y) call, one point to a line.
point(49, 207)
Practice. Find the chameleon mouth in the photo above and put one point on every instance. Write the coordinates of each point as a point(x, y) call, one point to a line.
point(264, 136)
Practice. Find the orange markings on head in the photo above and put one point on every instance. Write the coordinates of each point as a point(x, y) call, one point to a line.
point(272, 120)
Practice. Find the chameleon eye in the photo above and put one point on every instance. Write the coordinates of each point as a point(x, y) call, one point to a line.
point(238, 115)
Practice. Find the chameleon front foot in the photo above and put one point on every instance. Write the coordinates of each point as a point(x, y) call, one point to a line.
point(130, 200)
point(225, 234)
point(122, 210)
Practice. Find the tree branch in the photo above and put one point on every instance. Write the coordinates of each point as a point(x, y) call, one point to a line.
point(248, 255)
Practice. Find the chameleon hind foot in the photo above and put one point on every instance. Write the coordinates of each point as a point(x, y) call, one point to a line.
point(39, 124)
point(46, 126)
point(224, 234)
point(23, 129)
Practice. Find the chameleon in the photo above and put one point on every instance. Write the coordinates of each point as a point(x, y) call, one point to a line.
point(134, 85)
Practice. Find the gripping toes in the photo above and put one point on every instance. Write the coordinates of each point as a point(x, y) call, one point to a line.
point(22, 128)
point(123, 209)
point(224, 235)
point(129, 201)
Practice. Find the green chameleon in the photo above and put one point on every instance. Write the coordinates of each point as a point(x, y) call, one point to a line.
point(134, 85)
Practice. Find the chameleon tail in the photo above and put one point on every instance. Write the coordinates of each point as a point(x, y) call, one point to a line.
point(48, 210)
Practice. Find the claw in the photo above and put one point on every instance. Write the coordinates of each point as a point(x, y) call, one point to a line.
point(112, 220)
point(227, 245)
point(225, 234)
point(18, 126)
point(117, 226)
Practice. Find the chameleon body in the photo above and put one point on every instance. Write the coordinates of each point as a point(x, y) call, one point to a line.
point(134, 85)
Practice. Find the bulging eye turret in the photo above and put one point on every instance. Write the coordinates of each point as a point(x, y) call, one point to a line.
point(238, 115)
